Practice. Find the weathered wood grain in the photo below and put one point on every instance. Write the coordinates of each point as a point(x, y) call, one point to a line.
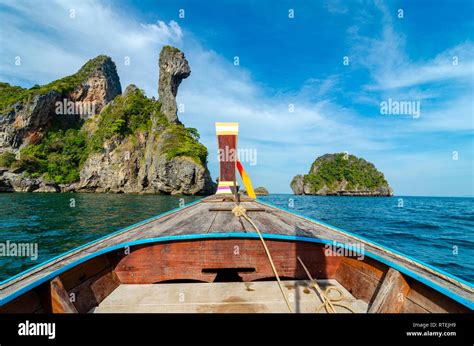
point(421, 297)
point(192, 260)
point(60, 302)
point(93, 290)
point(361, 278)
point(391, 293)
point(229, 297)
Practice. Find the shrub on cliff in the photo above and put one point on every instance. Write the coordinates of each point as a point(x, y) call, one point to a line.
point(59, 155)
point(127, 114)
point(7, 159)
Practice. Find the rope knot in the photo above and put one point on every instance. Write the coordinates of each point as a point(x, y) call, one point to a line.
point(239, 210)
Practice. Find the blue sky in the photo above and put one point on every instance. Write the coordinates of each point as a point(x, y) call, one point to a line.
point(283, 61)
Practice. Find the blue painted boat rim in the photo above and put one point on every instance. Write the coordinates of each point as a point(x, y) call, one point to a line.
point(184, 237)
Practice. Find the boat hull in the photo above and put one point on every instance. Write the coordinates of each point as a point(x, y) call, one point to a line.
point(83, 286)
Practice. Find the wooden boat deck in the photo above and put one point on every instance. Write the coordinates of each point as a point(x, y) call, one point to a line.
point(225, 297)
point(203, 218)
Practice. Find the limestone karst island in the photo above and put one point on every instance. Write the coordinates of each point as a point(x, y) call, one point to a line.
point(128, 143)
point(341, 175)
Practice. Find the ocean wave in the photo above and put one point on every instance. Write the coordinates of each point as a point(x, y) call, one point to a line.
point(415, 224)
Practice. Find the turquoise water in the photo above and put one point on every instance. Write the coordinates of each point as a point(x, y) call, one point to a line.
point(438, 231)
point(57, 225)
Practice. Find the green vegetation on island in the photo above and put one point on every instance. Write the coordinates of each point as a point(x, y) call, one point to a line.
point(59, 155)
point(7, 159)
point(341, 174)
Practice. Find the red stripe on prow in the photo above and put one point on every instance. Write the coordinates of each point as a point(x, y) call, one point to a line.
point(239, 166)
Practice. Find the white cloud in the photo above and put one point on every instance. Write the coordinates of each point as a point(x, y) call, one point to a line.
point(441, 68)
point(391, 68)
point(63, 44)
point(162, 33)
point(335, 7)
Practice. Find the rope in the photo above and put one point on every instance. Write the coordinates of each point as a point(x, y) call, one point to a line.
point(314, 284)
point(327, 302)
point(240, 211)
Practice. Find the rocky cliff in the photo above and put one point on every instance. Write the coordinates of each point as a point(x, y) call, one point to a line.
point(124, 143)
point(25, 114)
point(99, 88)
point(173, 69)
point(160, 157)
point(341, 175)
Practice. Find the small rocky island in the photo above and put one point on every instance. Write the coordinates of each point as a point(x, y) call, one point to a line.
point(261, 191)
point(82, 134)
point(341, 175)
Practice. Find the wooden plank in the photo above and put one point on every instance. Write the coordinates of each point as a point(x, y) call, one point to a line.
point(367, 266)
point(410, 307)
point(426, 298)
point(230, 209)
point(104, 285)
point(391, 294)
point(197, 220)
point(187, 259)
point(92, 291)
point(75, 276)
point(269, 222)
point(360, 277)
point(226, 222)
point(282, 223)
point(60, 302)
point(233, 297)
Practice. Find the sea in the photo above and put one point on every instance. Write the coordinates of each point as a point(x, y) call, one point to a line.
point(436, 230)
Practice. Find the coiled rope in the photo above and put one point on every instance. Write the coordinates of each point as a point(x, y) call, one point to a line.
point(328, 303)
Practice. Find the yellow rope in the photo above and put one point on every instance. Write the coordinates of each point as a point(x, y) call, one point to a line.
point(314, 284)
point(240, 211)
